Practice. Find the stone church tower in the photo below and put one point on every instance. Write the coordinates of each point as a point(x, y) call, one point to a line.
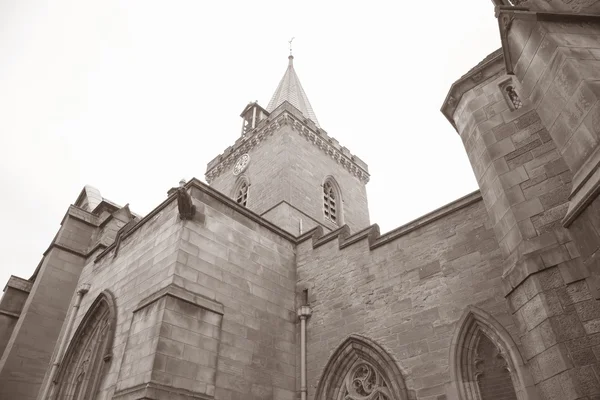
point(289, 164)
point(269, 283)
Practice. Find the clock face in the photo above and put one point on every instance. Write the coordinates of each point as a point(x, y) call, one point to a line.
point(241, 164)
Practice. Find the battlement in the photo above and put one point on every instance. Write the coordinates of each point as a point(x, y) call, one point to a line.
point(372, 233)
point(287, 114)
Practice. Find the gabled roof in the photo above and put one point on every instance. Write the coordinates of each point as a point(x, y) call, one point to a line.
point(290, 90)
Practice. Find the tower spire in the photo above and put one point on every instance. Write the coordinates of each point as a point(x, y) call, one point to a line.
point(290, 90)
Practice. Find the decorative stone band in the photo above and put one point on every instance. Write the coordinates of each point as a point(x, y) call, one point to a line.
point(324, 143)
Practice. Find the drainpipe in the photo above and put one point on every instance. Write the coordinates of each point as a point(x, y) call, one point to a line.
point(63, 344)
point(303, 313)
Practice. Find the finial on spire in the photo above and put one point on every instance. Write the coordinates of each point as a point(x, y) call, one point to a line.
point(290, 42)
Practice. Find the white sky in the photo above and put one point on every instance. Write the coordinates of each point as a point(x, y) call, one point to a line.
point(131, 96)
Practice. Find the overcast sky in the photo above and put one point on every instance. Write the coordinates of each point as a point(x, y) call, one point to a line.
point(131, 96)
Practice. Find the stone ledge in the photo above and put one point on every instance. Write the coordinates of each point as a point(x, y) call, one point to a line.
point(157, 391)
point(81, 215)
point(19, 283)
point(9, 314)
point(68, 249)
point(184, 295)
point(571, 270)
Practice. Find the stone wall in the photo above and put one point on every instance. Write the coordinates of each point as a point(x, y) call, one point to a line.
point(559, 66)
point(266, 172)
point(205, 307)
point(406, 294)
point(529, 163)
point(248, 268)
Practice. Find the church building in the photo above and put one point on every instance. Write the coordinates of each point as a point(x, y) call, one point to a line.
point(270, 281)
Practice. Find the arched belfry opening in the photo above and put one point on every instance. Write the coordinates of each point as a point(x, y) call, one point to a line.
point(332, 201)
point(361, 369)
point(89, 353)
point(486, 363)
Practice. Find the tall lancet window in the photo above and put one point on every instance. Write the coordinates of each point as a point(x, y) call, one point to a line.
point(89, 353)
point(485, 363)
point(240, 194)
point(331, 201)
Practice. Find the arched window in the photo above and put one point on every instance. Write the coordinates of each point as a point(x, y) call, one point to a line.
point(360, 369)
point(485, 362)
point(332, 201)
point(82, 368)
point(240, 194)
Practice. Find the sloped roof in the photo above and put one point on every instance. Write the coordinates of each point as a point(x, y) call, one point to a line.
point(290, 89)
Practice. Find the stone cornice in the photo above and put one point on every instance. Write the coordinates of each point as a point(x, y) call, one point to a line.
point(286, 114)
point(490, 67)
point(507, 14)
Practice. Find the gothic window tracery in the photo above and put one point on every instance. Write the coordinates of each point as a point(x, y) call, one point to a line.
point(360, 369)
point(331, 201)
point(90, 350)
point(363, 382)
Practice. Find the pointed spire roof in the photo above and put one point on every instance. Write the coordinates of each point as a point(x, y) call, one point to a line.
point(290, 89)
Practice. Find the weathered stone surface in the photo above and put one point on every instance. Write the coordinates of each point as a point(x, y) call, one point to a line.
point(207, 305)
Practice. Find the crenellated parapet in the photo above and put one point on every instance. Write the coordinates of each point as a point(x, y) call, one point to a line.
point(372, 233)
point(288, 115)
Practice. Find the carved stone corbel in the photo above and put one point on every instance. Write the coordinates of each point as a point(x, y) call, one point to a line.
point(187, 209)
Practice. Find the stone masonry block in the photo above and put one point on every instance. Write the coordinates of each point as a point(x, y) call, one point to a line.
point(579, 146)
point(553, 361)
point(501, 148)
point(527, 209)
point(567, 326)
point(551, 105)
